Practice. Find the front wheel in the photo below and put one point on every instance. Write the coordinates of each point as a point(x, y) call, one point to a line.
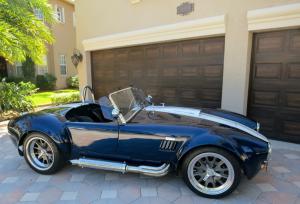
point(211, 172)
point(41, 154)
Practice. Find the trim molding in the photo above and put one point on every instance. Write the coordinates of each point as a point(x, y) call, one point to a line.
point(274, 17)
point(183, 30)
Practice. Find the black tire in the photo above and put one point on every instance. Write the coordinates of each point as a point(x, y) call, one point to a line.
point(233, 183)
point(58, 161)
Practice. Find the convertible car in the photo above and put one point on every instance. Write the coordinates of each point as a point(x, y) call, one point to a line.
point(125, 132)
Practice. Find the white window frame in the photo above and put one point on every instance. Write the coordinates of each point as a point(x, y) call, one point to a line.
point(62, 62)
point(43, 69)
point(60, 18)
point(19, 71)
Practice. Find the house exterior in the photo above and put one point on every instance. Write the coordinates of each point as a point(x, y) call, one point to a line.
point(242, 56)
point(58, 59)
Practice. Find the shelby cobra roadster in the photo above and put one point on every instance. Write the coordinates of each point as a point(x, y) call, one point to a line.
point(125, 132)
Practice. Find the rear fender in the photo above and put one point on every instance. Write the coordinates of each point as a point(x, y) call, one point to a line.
point(48, 125)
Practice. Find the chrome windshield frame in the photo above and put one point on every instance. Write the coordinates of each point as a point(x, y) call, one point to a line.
point(121, 116)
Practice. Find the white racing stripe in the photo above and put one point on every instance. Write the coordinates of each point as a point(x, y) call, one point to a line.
point(198, 114)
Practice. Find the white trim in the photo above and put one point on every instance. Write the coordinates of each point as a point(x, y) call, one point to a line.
point(274, 17)
point(183, 30)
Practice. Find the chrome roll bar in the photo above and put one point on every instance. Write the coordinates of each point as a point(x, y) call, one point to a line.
point(83, 97)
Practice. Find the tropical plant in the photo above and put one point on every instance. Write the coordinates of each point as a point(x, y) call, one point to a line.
point(22, 33)
point(65, 98)
point(45, 82)
point(73, 82)
point(14, 97)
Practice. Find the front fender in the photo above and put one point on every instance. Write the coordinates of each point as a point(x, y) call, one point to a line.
point(249, 151)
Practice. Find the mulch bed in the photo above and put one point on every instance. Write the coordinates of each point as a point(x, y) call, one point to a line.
point(8, 115)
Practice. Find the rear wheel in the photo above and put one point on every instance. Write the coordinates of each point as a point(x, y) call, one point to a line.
point(211, 172)
point(41, 154)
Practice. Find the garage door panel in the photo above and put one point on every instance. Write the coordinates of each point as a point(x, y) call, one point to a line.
point(170, 51)
point(294, 71)
point(271, 42)
point(213, 71)
point(274, 94)
point(292, 100)
point(268, 70)
point(185, 73)
point(266, 98)
point(213, 46)
point(190, 49)
point(294, 44)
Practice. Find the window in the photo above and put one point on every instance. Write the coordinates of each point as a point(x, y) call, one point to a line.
point(60, 13)
point(39, 14)
point(63, 65)
point(43, 69)
point(19, 71)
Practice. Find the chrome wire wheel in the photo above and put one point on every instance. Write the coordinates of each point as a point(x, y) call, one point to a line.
point(39, 153)
point(211, 173)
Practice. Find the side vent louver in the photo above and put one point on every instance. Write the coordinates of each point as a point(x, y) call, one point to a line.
point(167, 145)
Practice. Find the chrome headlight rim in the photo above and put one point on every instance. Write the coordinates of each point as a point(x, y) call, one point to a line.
point(257, 126)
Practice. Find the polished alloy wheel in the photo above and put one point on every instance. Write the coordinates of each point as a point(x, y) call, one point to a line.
point(211, 173)
point(40, 153)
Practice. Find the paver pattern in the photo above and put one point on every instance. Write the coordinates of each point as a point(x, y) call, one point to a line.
point(19, 184)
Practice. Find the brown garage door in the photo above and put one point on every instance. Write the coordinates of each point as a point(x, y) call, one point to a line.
point(274, 96)
point(186, 73)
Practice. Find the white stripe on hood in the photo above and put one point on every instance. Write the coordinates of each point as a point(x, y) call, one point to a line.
point(196, 113)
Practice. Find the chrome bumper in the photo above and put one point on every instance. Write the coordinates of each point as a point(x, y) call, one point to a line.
point(265, 164)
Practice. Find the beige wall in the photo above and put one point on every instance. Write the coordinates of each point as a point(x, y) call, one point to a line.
point(65, 43)
point(100, 18)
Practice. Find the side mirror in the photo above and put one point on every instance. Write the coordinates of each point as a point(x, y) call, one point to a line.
point(149, 99)
point(115, 113)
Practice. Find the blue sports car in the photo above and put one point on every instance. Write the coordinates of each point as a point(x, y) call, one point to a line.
point(125, 132)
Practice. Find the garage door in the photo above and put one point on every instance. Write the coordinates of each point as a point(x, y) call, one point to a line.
point(185, 73)
point(274, 96)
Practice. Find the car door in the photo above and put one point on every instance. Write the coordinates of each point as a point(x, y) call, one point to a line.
point(94, 139)
point(147, 142)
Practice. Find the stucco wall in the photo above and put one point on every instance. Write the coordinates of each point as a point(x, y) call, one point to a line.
point(100, 18)
point(65, 43)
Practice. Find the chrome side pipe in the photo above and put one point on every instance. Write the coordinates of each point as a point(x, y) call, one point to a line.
point(122, 167)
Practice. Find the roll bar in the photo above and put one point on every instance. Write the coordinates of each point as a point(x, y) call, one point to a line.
point(83, 97)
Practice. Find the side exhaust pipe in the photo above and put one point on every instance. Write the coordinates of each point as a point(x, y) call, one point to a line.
point(122, 167)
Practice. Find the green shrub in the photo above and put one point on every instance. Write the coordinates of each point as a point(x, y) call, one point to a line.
point(14, 79)
point(73, 82)
point(45, 82)
point(14, 97)
point(63, 98)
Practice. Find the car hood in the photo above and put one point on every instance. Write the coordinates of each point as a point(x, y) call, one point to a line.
point(232, 116)
point(221, 117)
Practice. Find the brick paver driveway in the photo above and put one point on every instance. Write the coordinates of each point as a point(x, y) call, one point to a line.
point(19, 184)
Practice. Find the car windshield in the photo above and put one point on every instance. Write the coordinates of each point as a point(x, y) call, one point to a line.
point(129, 101)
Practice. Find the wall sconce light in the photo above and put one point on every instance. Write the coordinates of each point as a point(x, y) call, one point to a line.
point(76, 57)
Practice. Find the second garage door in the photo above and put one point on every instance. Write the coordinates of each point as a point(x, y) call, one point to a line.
point(185, 73)
point(274, 97)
